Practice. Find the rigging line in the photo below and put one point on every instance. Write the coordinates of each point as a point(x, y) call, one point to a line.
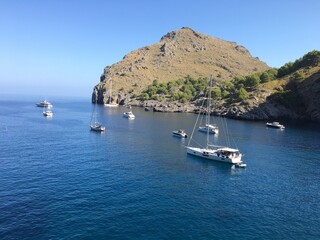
point(197, 143)
point(208, 110)
point(194, 127)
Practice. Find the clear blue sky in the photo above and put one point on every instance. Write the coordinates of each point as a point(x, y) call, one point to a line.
point(60, 47)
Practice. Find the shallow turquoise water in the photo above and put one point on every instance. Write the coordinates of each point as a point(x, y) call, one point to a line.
point(61, 181)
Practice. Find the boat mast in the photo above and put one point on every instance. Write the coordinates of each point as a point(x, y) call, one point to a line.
point(208, 111)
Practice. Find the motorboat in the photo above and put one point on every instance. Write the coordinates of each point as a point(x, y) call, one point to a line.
point(129, 115)
point(275, 125)
point(44, 103)
point(97, 127)
point(213, 129)
point(180, 133)
point(241, 165)
point(47, 113)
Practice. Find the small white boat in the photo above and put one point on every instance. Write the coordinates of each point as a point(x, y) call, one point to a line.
point(275, 125)
point(241, 165)
point(47, 113)
point(213, 129)
point(180, 133)
point(97, 127)
point(44, 103)
point(129, 115)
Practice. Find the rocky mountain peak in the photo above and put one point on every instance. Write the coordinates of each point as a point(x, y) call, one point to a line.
point(184, 32)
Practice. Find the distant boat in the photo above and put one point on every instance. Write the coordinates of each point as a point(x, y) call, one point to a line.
point(47, 111)
point(110, 103)
point(95, 125)
point(180, 133)
point(129, 115)
point(208, 128)
point(275, 125)
point(98, 127)
point(44, 103)
point(213, 152)
point(213, 129)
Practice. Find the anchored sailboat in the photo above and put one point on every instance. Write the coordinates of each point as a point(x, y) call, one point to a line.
point(95, 125)
point(110, 103)
point(209, 128)
point(213, 152)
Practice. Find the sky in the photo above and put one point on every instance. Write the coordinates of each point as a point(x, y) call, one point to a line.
point(60, 47)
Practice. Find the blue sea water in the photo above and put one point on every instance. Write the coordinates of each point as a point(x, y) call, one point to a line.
point(59, 180)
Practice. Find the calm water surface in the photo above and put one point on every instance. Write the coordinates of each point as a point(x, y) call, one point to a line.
point(59, 180)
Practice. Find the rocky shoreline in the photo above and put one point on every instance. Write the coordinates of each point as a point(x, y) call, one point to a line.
point(264, 111)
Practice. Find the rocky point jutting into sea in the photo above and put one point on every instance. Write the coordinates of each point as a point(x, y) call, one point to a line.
point(291, 91)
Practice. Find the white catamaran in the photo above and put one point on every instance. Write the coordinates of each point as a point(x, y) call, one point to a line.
point(213, 152)
point(110, 103)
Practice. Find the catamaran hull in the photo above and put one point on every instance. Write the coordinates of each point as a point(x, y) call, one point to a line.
point(212, 155)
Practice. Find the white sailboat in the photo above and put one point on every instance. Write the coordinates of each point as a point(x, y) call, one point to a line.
point(95, 125)
point(210, 128)
point(213, 152)
point(110, 103)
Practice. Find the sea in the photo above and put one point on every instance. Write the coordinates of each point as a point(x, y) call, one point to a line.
point(59, 180)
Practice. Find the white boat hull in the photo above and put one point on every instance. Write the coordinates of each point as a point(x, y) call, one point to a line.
point(48, 114)
point(180, 135)
point(214, 155)
point(111, 105)
point(211, 131)
point(129, 115)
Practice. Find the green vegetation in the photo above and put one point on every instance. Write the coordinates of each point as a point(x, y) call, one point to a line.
point(236, 90)
point(287, 98)
point(310, 59)
point(181, 90)
point(189, 89)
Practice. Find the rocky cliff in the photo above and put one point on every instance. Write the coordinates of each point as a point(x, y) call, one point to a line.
point(178, 54)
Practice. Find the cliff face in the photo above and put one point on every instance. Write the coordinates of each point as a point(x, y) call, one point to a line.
point(178, 54)
point(299, 100)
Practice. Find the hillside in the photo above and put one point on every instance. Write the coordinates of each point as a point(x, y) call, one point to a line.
point(290, 92)
point(178, 54)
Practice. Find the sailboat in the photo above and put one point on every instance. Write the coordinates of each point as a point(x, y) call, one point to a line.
point(214, 152)
point(110, 103)
point(210, 128)
point(95, 124)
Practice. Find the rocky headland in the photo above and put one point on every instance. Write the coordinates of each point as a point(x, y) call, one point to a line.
point(293, 91)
